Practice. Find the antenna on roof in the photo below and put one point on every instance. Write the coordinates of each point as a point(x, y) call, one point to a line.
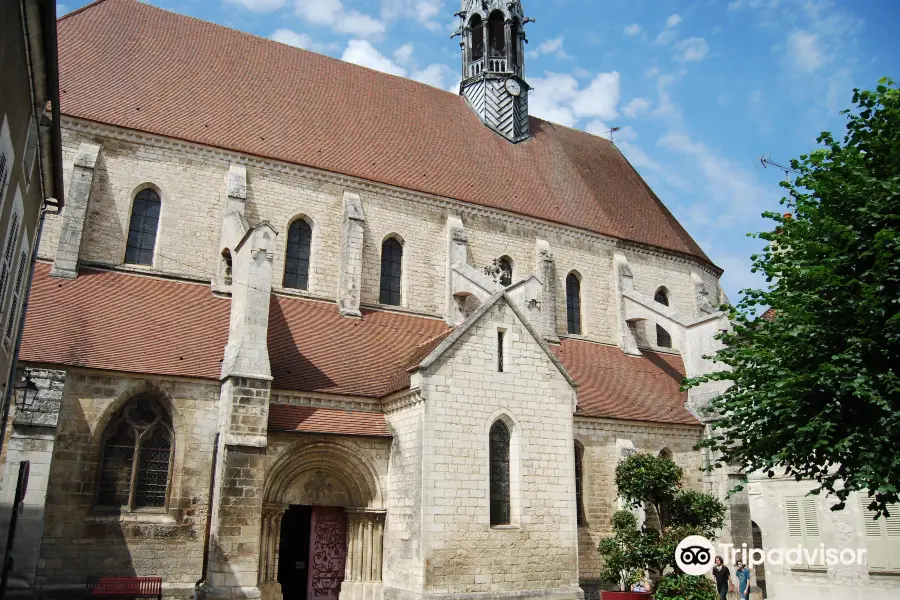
point(612, 130)
point(767, 162)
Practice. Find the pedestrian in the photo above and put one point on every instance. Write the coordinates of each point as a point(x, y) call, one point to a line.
point(743, 575)
point(723, 578)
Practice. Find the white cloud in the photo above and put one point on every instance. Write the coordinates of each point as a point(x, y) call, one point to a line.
point(633, 30)
point(691, 50)
point(363, 53)
point(735, 189)
point(404, 54)
point(332, 13)
point(292, 38)
point(553, 46)
point(668, 34)
point(259, 5)
point(61, 9)
point(636, 108)
point(423, 11)
point(805, 50)
point(559, 98)
point(673, 21)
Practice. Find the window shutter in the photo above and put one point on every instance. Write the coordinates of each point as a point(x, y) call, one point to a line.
point(892, 529)
point(14, 303)
point(795, 523)
point(812, 536)
point(7, 266)
point(877, 551)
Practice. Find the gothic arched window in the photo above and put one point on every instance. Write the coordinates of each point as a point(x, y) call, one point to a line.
point(661, 296)
point(499, 466)
point(296, 258)
point(391, 271)
point(497, 33)
point(142, 228)
point(477, 27)
point(227, 266)
point(579, 483)
point(506, 270)
point(137, 453)
point(514, 45)
point(573, 304)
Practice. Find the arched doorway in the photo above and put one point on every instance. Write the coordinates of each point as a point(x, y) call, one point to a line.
point(760, 569)
point(323, 525)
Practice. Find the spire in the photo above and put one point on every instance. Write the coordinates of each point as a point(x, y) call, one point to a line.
point(493, 64)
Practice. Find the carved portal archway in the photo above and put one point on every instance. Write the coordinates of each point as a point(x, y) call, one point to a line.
point(333, 474)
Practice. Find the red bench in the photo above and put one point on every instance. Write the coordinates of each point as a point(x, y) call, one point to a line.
point(124, 587)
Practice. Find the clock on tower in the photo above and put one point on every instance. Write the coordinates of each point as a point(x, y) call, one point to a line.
point(493, 59)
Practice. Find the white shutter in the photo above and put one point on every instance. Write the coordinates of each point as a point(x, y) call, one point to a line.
point(892, 537)
point(875, 540)
point(6, 266)
point(812, 535)
point(7, 160)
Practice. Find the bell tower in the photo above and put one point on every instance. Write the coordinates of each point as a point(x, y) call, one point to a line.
point(493, 64)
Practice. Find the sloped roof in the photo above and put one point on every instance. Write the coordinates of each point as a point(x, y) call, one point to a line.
point(136, 66)
point(309, 419)
point(618, 386)
point(134, 323)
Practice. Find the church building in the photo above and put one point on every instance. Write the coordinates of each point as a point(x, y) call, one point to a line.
point(308, 331)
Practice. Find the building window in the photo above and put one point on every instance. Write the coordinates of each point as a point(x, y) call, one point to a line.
point(803, 528)
point(391, 271)
point(137, 453)
point(663, 339)
point(882, 537)
point(296, 261)
point(6, 260)
point(579, 484)
point(573, 304)
point(661, 296)
point(504, 263)
point(500, 338)
point(227, 267)
point(499, 459)
point(142, 229)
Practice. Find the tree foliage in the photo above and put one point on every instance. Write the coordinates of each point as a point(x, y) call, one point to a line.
point(622, 563)
point(815, 389)
point(655, 484)
point(678, 586)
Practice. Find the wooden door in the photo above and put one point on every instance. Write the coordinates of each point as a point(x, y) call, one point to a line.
point(327, 553)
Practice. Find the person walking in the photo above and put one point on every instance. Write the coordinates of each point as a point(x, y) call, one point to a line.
point(722, 575)
point(743, 575)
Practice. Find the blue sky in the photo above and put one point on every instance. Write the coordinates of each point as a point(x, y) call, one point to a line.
point(700, 88)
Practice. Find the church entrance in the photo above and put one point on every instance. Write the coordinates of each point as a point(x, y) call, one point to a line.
point(322, 525)
point(313, 552)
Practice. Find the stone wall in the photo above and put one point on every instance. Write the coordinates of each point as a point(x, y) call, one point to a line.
point(464, 395)
point(81, 540)
point(840, 529)
point(601, 455)
point(192, 182)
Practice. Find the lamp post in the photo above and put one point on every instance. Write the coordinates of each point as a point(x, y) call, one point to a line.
point(26, 392)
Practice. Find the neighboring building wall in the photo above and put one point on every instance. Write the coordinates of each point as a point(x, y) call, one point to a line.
point(192, 181)
point(20, 173)
point(840, 529)
point(601, 455)
point(464, 395)
point(80, 540)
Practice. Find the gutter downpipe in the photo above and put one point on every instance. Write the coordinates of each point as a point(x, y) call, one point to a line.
point(207, 529)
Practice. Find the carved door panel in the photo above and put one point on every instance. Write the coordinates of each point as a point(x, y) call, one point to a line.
point(327, 553)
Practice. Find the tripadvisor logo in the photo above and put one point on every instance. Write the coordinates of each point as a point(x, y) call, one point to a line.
point(694, 555)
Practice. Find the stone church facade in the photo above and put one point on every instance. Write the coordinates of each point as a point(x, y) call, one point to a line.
point(309, 331)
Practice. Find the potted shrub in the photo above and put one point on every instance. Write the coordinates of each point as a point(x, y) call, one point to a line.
point(623, 558)
point(655, 483)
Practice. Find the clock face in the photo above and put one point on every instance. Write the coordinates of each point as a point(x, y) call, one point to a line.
point(513, 87)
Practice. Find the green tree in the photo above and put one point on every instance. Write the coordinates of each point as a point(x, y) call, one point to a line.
point(815, 390)
point(655, 483)
point(621, 552)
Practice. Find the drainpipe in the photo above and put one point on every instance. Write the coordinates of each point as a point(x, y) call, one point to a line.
point(209, 509)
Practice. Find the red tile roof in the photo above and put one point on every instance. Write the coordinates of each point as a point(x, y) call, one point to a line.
point(618, 386)
point(140, 67)
point(140, 324)
point(122, 322)
point(308, 419)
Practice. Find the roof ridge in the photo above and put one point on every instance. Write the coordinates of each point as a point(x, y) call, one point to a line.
point(81, 10)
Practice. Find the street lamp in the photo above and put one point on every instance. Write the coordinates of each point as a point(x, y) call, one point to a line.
point(26, 391)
